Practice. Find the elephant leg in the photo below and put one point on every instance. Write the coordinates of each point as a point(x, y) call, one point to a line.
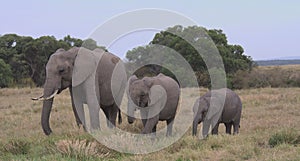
point(144, 121)
point(94, 119)
point(236, 126)
point(154, 131)
point(107, 115)
point(205, 128)
point(215, 130)
point(94, 109)
point(150, 124)
point(113, 112)
point(228, 128)
point(78, 100)
point(80, 112)
point(78, 121)
point(170, 123)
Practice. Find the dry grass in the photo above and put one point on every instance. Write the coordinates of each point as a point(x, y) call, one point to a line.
point(267, 113)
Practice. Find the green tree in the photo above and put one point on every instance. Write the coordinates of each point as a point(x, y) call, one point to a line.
point(5, 74)
point(11, 51)
point(91, 44)
point(72, 41)
point(207, 41)
point(36, 54)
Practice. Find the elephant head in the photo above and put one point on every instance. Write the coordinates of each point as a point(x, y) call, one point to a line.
point(138, 92)
point(206, 109)
point(64, 69)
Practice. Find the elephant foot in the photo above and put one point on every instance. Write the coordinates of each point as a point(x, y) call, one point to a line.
point(204, 136)
point(235, 133)
point(48, 132)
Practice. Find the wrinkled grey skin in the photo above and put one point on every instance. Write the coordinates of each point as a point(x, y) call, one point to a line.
point(67, 69)
point(140, 98)
point(230, 114)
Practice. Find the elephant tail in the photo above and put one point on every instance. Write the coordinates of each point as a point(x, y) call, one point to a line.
point(120, 117)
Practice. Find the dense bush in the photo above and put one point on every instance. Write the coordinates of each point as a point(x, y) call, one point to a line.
point(259, 77)
point(5, 74)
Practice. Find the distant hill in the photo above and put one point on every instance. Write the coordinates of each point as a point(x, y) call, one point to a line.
point(277, 62)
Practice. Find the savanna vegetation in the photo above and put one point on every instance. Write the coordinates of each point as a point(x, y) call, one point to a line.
point(23, 58)
point(269, 130)
point(268, 76)
point(270, 127)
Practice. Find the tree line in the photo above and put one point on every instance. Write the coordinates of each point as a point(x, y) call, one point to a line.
point(23, 58)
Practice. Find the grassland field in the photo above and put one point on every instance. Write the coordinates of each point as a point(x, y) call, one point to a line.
point(270, 130)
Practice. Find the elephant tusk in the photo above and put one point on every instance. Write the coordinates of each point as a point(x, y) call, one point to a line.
point(55, 92)
point(44, 99)
point(37, 98)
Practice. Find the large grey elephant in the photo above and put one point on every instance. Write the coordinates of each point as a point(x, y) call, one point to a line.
point(156, 98)
point(90, 76)
point(212, 110)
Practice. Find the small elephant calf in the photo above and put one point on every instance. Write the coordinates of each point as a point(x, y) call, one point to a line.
point(217, 106)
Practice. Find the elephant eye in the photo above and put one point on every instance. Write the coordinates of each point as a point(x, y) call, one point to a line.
point(61, 71)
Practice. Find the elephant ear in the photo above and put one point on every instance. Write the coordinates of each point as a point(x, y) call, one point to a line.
point(132, 79)
point(157, 100)
point(215, 108)
point(85, 64)
point(148, 81)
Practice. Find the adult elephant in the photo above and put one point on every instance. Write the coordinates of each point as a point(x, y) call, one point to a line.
point(90, 76)
point(211, 109)
point(156, 98)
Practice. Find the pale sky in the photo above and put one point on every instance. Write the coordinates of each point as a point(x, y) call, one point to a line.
point(266, 29)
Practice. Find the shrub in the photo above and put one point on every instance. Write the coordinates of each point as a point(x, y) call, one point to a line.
point(284, 137)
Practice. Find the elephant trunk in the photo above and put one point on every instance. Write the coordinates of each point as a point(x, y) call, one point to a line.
point(47, 105)
point(195, 125)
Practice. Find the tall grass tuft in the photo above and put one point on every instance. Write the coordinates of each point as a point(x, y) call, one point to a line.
point(79, 149)
point(17, 147)
point(284, 137)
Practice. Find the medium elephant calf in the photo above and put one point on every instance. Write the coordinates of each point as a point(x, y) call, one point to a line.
point(217, 106)
point(156, 98)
